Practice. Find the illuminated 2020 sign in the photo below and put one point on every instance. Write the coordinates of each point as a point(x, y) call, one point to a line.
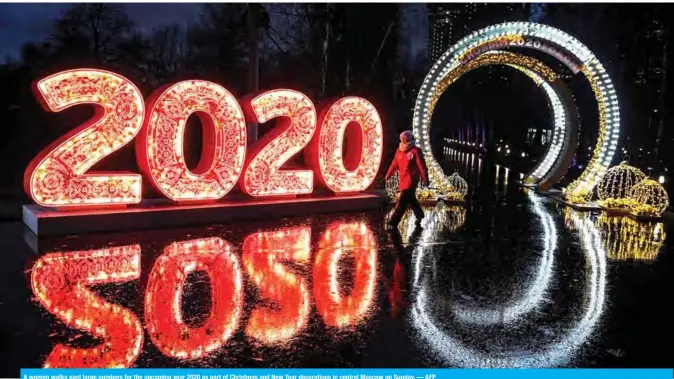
point(59, 177)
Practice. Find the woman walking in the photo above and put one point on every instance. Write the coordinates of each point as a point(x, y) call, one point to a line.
point(411, 167)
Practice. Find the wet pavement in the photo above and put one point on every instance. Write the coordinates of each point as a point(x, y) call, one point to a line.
point(511, 279)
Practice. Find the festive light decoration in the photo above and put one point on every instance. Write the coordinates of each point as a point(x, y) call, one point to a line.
point(628, 239)
point(56, 177)
point(440, 341)
point(580, 191)
point(326, 156)
point(59, 281)
point(438, 217)
point(533, 295)
point(540, 37)
point(159, 148)
point(618, 182)
point(163, 313)
point(339, 241)
point(294, 130)
point(391, 186)
point(651, 198)
point(426, 193)
point(457, 187)
point(542, 75)
point(289, 295)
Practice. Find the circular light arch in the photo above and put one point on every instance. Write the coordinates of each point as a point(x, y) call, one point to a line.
point(571, 52)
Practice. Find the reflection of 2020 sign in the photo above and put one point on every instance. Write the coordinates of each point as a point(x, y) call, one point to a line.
point(58, 176)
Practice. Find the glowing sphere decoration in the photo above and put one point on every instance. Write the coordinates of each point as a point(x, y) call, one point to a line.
point(618, 181)
point(458, 188)
point(651, 198)
point(392, 185)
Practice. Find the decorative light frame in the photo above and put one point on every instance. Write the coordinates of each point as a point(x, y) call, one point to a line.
point(545, 38)
point(618, 182)
point(650, 198)
point(57, 176)
point(159, 147)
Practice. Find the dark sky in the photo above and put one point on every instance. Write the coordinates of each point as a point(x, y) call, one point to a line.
point(21, 23)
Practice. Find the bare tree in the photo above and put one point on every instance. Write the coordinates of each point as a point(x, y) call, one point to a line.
point(168, 50)
point(93, 31)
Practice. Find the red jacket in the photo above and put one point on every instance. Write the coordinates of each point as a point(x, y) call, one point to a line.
point(411, 167)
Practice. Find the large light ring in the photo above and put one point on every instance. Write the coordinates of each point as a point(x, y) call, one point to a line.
point(559, 153)
point(544, 38)
point(456, 353)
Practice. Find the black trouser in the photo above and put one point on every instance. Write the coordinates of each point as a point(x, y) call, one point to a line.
point(407, 198)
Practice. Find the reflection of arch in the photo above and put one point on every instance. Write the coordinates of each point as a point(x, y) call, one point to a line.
point(557, 353)
point(534, 294)
point(549, 40)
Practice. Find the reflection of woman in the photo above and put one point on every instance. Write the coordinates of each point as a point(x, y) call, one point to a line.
point(397, 289)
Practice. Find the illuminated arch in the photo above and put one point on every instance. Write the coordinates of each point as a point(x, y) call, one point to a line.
point(554, 42)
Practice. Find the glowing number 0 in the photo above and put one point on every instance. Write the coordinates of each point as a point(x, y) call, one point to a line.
point(55, 177)
point(338, 240)
point(326, 155)
point(163, 299)
point(292, 133)
point(159, 147)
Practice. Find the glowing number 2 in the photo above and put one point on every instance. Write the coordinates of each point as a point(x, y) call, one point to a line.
point(159, 147)
point(288, 294)
point(58, 281)
point(56, 176)
point(263, 175)
point(163, 311)
point(326, 154)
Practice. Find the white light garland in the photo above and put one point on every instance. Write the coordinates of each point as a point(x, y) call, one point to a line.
point(609, 123)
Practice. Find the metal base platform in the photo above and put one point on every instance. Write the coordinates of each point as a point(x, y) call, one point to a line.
point(151, 214)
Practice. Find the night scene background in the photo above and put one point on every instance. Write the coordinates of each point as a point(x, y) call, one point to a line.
point(378, 51)
point(509, 278)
